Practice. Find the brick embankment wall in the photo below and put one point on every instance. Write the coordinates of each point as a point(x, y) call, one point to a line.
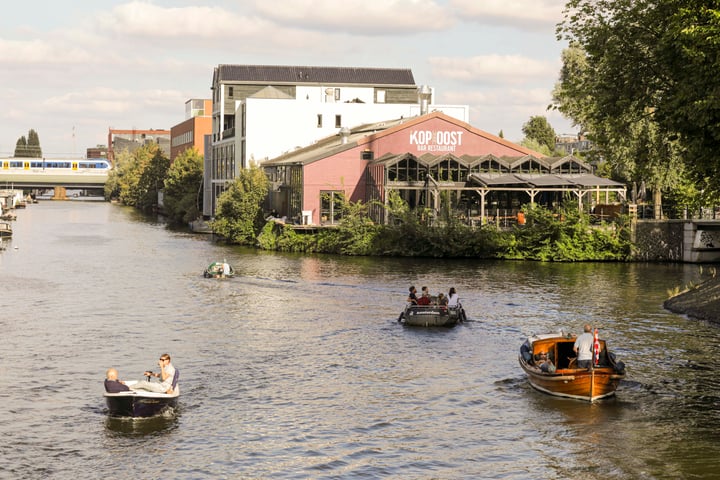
point(702, 302)
point(659, 241)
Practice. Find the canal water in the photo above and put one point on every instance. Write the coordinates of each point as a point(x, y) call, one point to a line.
point(297, 368)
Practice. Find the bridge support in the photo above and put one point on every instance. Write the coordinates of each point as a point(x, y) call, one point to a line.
point(60, 194)
point(701, 242)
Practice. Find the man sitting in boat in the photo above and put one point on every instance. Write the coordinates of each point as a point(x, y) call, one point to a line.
point(167, 372)
point(412, 297)
point(112, 384)
point(424, 298)
point(544, 363)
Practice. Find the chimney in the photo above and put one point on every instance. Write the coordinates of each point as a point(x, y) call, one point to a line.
point(344, 134)
point(424, 97)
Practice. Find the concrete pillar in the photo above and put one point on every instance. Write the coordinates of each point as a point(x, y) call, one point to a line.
point(60, 194)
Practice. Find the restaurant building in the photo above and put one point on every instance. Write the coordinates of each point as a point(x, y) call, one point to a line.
point(432, 161)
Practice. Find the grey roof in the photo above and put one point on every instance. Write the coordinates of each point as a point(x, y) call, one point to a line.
point(541, 180)
point(310, 74)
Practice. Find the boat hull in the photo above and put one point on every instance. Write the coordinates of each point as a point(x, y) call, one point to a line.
point(133, 404)
point(580, 384)
point(432, 316)
point(565, 380)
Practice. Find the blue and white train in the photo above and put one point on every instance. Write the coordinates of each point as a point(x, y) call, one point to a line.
point(77, 165)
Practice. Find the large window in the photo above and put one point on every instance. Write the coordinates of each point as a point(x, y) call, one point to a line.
point(331, 206)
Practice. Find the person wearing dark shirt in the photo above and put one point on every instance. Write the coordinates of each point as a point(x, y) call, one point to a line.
point(412, 298)
point(112, 384)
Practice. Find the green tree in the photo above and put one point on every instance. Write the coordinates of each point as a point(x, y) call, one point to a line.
point(28, 147)
point(647, 66)
point(239, 216)
point(138, 177)
point(540, 130)
point(33, 144)
point(183, 187)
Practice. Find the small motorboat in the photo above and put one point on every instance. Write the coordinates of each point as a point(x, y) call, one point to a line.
point(141, 403)
point(5, 229)
point(432, 315)
point(8, 216)
point(219, 270)
point(561, 377)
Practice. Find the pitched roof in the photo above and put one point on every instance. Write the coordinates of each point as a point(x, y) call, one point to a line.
point(310, 74)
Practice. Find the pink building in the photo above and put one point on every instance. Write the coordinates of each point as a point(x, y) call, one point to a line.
point(420, 158)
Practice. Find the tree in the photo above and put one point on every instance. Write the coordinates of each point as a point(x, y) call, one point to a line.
point(138, 177)
point(239, 216)
point(539, 129)
point(648, 67)
point(183, 187)
point(28, 147)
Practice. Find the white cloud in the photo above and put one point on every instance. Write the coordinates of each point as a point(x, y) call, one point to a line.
point(103, 102)
point(359, 17)
point(492, 69)
point(38, 51)
point(532, 14)
point(145, 20)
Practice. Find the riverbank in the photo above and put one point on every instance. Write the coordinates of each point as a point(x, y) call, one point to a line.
point(701, 302)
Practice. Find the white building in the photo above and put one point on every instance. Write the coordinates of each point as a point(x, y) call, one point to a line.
point(261, 111)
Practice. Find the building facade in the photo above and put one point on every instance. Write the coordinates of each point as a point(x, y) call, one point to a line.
point(432, 161)
point(131, 140)
point(192, 131)
point(260, 112)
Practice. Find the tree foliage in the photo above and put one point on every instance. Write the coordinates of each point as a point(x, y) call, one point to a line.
point(183, 187)
point(641, 77)
point(539, 129)
point(138, 177)
point(239, 216)
point(28, 147)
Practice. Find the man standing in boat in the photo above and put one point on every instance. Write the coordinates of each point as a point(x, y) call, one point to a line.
point(583, 348)
point(167, 372)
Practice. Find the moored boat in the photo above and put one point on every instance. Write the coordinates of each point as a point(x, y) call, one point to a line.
point(561, 377)
point(5, 229)
point(219, 270)
point(432, 315)
point(141, 403)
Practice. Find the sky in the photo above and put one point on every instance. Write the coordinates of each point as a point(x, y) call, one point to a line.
point(73, 69)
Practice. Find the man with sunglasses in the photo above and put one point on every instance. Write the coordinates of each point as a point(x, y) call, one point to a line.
point(166, 374)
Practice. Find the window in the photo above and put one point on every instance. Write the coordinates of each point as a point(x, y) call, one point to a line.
point(230, 91)
point(338, 121)
point(337, 94)
point(380, 96)
point(331, 206)
point(366, 155)
point(319, 123)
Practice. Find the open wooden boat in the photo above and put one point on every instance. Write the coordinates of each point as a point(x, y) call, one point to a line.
point(432, 315)
point(142, 403)
point(598, 381)
point(219, 270)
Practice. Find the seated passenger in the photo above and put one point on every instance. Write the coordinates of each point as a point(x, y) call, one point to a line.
point(412, 298)
point(453, 298)
point(424, 299)
point(545, 364)
point(442, 299)
point(112, 384)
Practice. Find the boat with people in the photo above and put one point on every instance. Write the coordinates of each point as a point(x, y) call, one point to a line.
point(432, 311)
point(550, 363)
point(142, 403)
point(432, 315)
point(219, 270)
point(8, 216)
